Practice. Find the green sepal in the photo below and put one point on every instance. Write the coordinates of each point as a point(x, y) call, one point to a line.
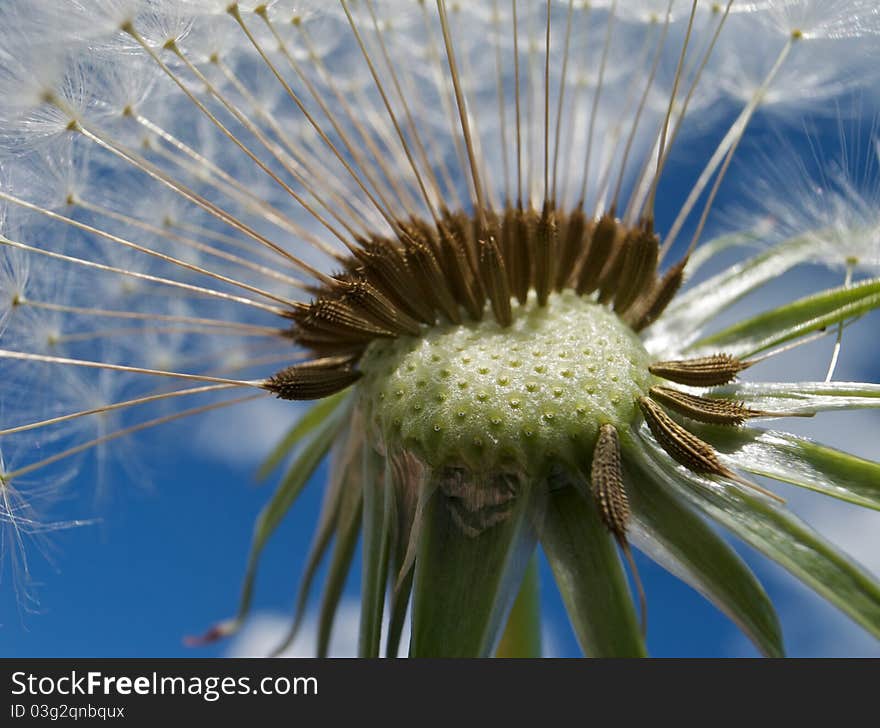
point(316, 414)
point(590, 577)
point(270, 517)
point(466, 583)
point(522, 635)
point(378, 514)
point(799, 461)
point(694, 308)
point(779, 535)
point(681, 541)
point(798, 318)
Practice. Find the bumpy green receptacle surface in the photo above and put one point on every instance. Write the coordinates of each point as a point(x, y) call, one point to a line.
point(491, 398)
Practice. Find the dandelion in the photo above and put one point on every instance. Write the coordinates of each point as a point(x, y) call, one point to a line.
point(446, 225)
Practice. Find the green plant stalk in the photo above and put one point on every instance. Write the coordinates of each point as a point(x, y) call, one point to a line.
point(522, 635)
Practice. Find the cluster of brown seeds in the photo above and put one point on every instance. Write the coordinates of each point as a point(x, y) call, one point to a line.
point(449, 269)
point(681, 445)
point(452, 267)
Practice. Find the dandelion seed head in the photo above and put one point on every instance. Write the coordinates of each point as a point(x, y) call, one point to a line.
point(815, 72)
point(448, 222)
point(836, 19)
point(832, 203)
point(14, 270)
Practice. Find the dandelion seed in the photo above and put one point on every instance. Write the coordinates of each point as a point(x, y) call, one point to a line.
point(441, 222)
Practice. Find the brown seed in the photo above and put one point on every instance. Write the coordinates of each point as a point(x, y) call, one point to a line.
point(465, 226)
point(490, 225)
point(543, 244)
point(369, 302)
point(337, 318)
point(710, 410)
point(313, 380)
point(689, 450)
point(420, 229)
point(610, 278)
point(327, 345)
point(610, 494)
point(495, 280)
point(454, 260)
point(508, 245)
point(573, 235)
point(682, 446)
point(601, 246)
point(385, 267)
point(705, 371)
point(639, 270)
point(649, 308)
point(461, 227)
point(524, 224)
point(606, 476)
point(703, 409)
point(430, 280)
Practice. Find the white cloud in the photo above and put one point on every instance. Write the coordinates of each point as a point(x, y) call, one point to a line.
point(264, 632)
point(247, 436)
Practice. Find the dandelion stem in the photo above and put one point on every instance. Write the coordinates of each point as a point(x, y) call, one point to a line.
point(190, 243)
point(383, 211)
point(411, 124)
point(128, 431)
point(547, 106)
point(446, 96)
point(137, 161)
point(365, 110)
point(838, 342)
point(137, 315)
point(116, 406)
point(463, 115)
point(141, 249)
point(388, 108)
point(337, 128)
point(303, 177)
point(655, 64)
point(27, 356)
point(499, 92)
point(661, 147)
point(143, 276)
point(228, 184)
point(560, 102)
point(594, 111)
point(517, 104)
point(172, 46)
point(606, 168)
point(96, 334)
point(723, 153)
point(640, 205)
